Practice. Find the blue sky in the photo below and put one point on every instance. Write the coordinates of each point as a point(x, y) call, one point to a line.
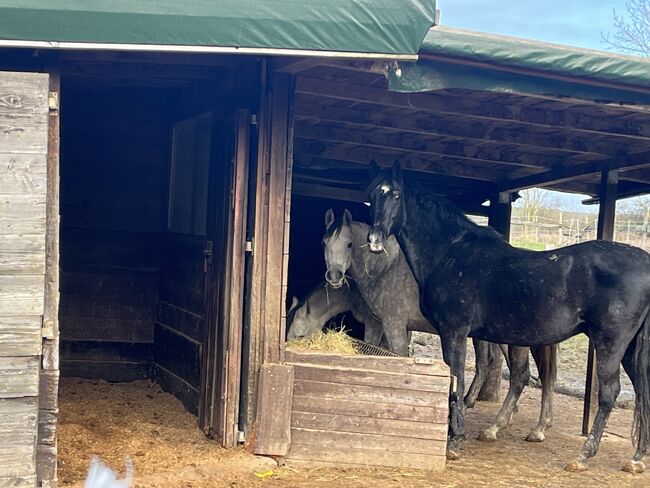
point(574, 22)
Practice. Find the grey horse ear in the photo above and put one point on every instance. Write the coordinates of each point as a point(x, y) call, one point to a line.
point(294, 303)
point(397, 172)
point(329, 218)
point(347, 217)
point(374, 169)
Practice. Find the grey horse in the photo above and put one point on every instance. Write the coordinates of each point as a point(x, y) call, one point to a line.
point(308, 317)
point(390, 291)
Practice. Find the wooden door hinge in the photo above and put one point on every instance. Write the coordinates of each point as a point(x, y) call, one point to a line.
point(53, 101)
point(47, 329)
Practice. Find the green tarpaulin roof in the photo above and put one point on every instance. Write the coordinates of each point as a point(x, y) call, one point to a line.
point(392, 27)
point(507, 64)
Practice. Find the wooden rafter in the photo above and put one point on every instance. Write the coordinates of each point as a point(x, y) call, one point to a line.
point(418, 123)
point(358, 172)
point(560, 175)
point(478, 110)
point(451, 166)
point(425, 145)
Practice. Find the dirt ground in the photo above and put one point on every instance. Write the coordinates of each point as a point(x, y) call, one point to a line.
point(168, 450)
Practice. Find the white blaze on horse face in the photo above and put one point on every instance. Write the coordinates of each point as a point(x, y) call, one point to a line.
point(385, 189)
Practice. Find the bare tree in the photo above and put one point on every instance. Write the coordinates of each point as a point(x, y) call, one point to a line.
point(632, 35)
point(532, 201)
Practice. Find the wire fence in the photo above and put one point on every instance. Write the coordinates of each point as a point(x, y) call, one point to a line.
point(550, 232)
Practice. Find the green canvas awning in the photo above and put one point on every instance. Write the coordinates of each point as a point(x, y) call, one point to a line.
point(455, 58)
point(374, 27)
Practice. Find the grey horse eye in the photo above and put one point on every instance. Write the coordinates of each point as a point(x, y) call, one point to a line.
point(349, 245)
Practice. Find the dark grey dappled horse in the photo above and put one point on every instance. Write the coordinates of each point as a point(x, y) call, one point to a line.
point(473, 283)
point(387, 286)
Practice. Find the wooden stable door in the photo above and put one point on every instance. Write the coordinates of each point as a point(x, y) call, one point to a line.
point(224, 297)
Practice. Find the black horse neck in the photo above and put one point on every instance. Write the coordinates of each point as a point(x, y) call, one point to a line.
point(433, 227)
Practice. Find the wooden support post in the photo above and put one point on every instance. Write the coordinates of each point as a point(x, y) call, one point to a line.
point(46, 453)
point(279, 193)
point(499, 220)
point(606, 220)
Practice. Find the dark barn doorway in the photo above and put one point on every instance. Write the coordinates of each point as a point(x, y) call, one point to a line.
point(154, 180)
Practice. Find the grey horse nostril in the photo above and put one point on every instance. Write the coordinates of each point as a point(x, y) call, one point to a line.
point(333, 276)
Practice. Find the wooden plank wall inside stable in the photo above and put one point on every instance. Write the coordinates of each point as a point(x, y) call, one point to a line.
point(114, 160)
point(23, 187)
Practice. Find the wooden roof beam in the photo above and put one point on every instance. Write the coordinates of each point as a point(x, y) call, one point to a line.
point(480, 134)
point(346, 173)
point(468, 203)
point(477, 109)
point(451, 166)
point(626, 189)
point(560, 175)
point(426, 146)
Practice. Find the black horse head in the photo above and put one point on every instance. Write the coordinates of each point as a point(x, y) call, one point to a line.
point(386, 207)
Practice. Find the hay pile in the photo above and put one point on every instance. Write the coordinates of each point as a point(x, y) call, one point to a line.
point(332, 340)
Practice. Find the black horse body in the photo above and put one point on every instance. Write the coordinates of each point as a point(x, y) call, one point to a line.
point(473, 283)
point(482, 281)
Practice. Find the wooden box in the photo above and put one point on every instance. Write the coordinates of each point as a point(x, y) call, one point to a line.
point(368, 410)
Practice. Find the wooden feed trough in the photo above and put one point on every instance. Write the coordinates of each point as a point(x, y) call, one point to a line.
point(356, 410)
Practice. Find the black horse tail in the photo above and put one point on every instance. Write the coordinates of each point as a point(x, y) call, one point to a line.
point(641, 361)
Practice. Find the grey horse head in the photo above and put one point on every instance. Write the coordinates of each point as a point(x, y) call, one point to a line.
point(300, 321)
point(337, 246)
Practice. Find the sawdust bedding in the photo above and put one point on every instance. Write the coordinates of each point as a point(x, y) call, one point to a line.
point(169, 450)
point(136, 419)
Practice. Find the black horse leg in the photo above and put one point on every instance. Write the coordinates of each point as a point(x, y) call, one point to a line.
point(608, 366)
point(482, 353)
point(546, 360)
point(519, 377)
point(454, 347)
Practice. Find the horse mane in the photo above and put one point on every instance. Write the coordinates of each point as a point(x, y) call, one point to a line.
point(455, 221)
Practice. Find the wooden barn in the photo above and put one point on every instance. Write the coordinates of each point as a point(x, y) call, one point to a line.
point(152, 159)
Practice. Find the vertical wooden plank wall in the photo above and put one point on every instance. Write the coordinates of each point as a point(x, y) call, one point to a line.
point(23, 189)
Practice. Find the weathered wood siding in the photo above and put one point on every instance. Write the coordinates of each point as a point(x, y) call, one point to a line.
point(23, 184)
point(368, 411)
point(114, 165)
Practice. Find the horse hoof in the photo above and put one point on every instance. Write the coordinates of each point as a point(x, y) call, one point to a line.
point(575, 467)
point(487, 435)
point(536, 436)
point(635, 467)
point(469, 405)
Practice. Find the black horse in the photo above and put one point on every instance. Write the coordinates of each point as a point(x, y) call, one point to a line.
point(473, 283)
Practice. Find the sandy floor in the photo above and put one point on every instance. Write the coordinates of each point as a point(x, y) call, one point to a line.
point(168, 450)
